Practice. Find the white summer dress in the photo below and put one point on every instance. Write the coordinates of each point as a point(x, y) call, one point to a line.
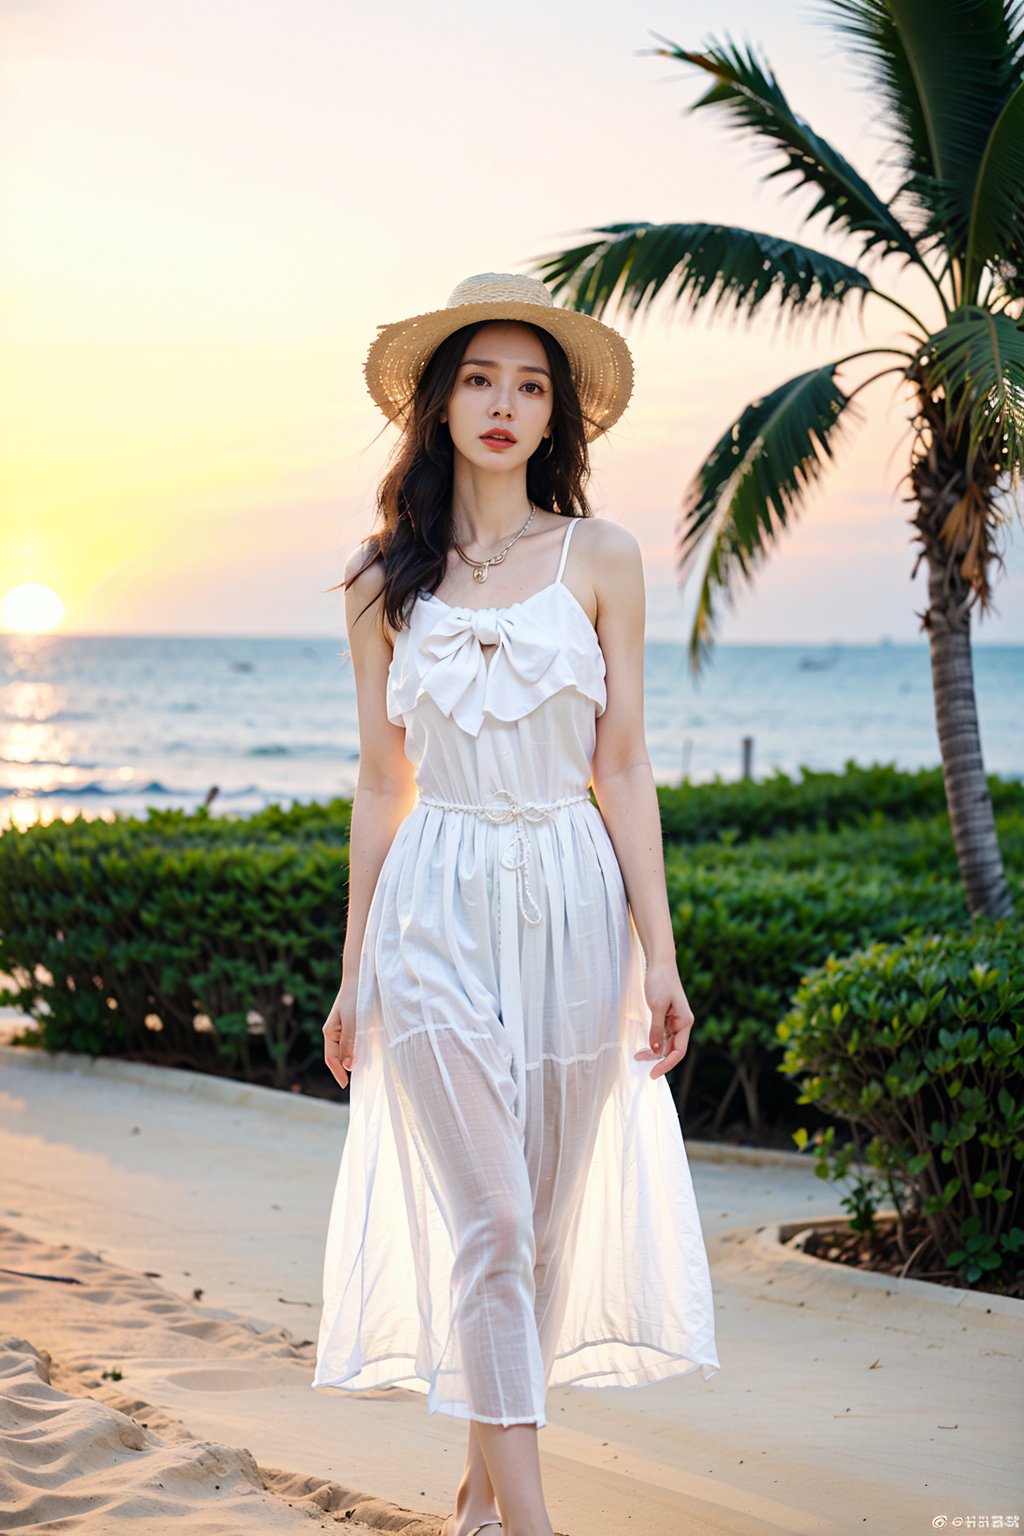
point(514, 1208)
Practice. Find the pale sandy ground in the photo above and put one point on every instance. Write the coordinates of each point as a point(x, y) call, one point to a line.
point(191, 1212)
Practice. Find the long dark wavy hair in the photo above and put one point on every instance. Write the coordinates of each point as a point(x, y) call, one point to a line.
point(414, 499)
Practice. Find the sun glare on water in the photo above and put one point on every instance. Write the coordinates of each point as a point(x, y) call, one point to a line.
point(30, 609)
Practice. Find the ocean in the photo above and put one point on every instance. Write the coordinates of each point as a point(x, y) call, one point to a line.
point(97, 726)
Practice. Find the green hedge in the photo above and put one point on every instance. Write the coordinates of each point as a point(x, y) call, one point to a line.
point(124, 934)
point(695, 813)
point(125, 943)
point(746, 935)
point(921, 1046)
point(919, 848)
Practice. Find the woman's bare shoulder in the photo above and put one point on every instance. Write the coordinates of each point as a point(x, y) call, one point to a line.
point(609, 540)
point(611, 554)
point(369, 581)
point(612, 566)
point(364, 581)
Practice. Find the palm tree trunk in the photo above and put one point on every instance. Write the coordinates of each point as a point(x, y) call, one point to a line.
point(972, 819)
point(953, 521)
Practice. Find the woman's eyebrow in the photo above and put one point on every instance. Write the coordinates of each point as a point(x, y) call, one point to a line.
point(486, 362)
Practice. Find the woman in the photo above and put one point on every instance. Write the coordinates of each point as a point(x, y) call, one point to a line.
point(514, 1206)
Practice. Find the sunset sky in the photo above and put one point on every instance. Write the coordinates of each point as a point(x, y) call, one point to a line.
point(209, 205)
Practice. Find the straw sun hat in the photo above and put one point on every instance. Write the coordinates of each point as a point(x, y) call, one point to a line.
point(598, 357)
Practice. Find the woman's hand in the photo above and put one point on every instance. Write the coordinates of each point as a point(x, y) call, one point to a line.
point(340, 1033)
point(671, 1017)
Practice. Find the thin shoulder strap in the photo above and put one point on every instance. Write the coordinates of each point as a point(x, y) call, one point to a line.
point(565, 548)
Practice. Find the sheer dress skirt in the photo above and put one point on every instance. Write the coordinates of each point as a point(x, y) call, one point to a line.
point(514, 1208)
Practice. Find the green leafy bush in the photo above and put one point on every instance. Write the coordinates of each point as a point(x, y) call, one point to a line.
point(747, 934)
point(182, 939)
point(920, 848)
point(216, 941)
point(920, 1046)
point(821, 802)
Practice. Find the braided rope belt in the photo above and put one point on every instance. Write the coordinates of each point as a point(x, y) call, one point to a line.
point(517, 854)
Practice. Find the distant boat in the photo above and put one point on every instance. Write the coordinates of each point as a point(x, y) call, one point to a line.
point(819, 663)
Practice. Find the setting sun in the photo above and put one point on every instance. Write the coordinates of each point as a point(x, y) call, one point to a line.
point(30, 608)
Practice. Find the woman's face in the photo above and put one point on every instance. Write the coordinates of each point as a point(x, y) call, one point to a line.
point(503, 385)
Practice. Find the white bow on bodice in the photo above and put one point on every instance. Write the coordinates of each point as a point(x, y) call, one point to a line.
point(462, 678)
point(497, 661)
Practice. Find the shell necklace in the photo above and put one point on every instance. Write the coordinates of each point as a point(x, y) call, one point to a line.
point(480, 568)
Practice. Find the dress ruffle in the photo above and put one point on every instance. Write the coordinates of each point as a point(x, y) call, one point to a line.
point(536, 652)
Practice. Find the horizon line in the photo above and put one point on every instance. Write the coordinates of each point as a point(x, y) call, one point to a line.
point(881, 642)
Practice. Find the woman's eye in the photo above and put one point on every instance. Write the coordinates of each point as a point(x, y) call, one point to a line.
point(473, 378)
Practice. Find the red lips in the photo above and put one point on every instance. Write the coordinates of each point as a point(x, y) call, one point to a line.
point(500, 434)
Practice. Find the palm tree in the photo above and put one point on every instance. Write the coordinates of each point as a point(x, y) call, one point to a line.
point(949, 77)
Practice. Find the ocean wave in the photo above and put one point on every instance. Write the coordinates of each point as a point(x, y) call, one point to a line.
point(46, 762)
point(297, 749)
point(132, 791)
point(60, 715)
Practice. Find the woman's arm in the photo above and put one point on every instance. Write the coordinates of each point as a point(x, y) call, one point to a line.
point(624, 783)
point(384, 793)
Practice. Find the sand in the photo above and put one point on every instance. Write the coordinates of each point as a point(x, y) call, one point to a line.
point(83, 1442)
point(187, 1215)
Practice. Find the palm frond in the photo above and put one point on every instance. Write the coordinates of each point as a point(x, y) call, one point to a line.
point(634, 262)
point(945, 72)
point(977, 361)
point(996, 225)
point(753, 99)
point(752, 483)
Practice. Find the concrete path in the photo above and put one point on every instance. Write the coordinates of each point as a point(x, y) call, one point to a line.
point(844, 1403)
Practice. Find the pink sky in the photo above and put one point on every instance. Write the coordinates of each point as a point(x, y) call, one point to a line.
point(209, 208)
